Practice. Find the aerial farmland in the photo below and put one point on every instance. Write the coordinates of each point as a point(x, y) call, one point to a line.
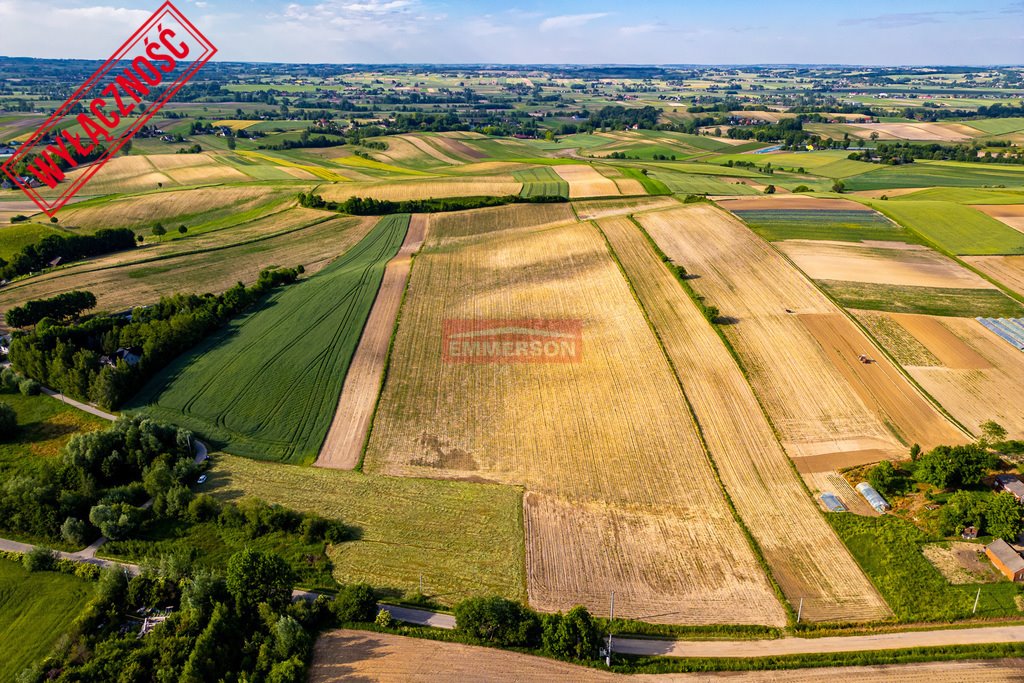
point(595, 363)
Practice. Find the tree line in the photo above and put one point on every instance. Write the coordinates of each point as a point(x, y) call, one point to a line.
point(67, 356)
point(368, 206)
point(37, 256)
point(58, 308)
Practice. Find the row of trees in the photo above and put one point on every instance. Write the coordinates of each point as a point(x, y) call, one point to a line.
point(67, 357)
point(59, 308)
point(368, 206)
point(497, 621)
point(35, 257)
point(895, 153)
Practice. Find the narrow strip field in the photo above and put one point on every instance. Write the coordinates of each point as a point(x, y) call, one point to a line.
point(584, 181)
point(425, 189)
point(268, 385)
point(1008, 270)
point(345, 439)
point(807, 559)
point(541, 182)
point(621, 495)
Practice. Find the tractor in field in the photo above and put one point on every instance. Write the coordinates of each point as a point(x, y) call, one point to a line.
point(865, 359)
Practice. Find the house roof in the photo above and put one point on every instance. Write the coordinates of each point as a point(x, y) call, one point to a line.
point(1010, 558)
point(1011, 484)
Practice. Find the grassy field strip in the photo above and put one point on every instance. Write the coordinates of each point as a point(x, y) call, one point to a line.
point(35, 611)
point(464, 539)
point(343, 446)
point(268, 385)
point(541, 182)
point(806, 558)
point(956, 228)
point(318, 171)
point(620, 494)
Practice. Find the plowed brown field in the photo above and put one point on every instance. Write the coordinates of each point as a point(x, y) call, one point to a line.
point(807, 559)
point(607, 440)
point(1008, 270)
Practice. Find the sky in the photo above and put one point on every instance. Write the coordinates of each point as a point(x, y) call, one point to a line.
point(892, 32)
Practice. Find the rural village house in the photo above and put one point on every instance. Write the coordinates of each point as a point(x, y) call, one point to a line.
point(1010, 484)
point(1006, 559)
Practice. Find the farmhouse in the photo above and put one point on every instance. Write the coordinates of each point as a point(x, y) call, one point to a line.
point(1011, 484)
point(1006, 559)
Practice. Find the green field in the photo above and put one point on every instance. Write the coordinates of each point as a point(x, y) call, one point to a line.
point(541, 182)
point(267, 386)
point(463, 538)
point(997, 126)
point(36, 609)
point(888, 549)
point(45, 425)
point(963, 195)
point(956, 228)
point(652, 185)
point(812, 224)
point(938, 173)
point(964, 303)
point(691, 183)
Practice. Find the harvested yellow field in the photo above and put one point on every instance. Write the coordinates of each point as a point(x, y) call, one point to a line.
point(980, 377)
point(235, 124)
point(478, 222)
point(120, 174)
point(807, 559)
point(916, 131)
point(318, 171)
point(488, 168)
point(590, 209)
point(627, 186)
point(134, 212)
point(367, 657)
point(401, 151)
point(584, 181)
point(139, 282)
point(890, 263)
point(499, 185)
point(605, 439)
point(1008, 270)
point(813, 407)
point(789, 201)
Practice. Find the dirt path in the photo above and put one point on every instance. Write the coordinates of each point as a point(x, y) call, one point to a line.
point(344, 442)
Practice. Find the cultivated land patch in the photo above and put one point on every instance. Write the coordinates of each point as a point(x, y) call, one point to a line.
point(811, 404)
point(36, 609)
point(345, 439)
point(267, 386)
point(541, 181)
point(938, 174)
point(805, 557)
point(880, 263)
point(948, 301)
point(346, 655)
point(476, 222)
point(1008, 270)
point(122, 281)
point(424, 189)
point(979, 376)
point(603, 208)
point(604, 445)
point(956, 228)
point(691, 183)
point(962, 563)
point(915, 131)
point(584, 181)
point(1011, 214)
point(179, 205)
point(464, 539)
point(821, 224)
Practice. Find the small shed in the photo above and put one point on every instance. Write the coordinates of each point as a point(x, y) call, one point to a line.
point(1006, 559)
point(873, 497)
point(969, 533)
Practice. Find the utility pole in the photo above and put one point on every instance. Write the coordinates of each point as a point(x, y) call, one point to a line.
point(800, 611)
point(421, 583)
point(611, 619)
point(976, 598)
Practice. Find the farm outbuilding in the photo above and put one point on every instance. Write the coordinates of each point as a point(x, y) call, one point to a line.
point(832, 502)
point(1011, 484)
point(1006, 559)
point(873, 497)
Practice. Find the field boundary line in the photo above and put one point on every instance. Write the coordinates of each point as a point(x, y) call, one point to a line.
point(751, 541)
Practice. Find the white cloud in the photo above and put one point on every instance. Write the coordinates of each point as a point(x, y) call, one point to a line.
point(570, 21)
point(122, 14)
point(639, 29)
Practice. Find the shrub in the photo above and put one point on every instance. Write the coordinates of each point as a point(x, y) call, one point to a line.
point(888, 480)
point(8, 422)
point(117, 520)
point(203, 508)
point(572, 636)
point(384, 619)
point(355, 602)
point(73, 531)
point(39, 559)
point(29, 387)
point(9, 379)
point(499, 621)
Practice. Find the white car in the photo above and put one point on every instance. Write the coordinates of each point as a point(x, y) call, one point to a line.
point(202, 479)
